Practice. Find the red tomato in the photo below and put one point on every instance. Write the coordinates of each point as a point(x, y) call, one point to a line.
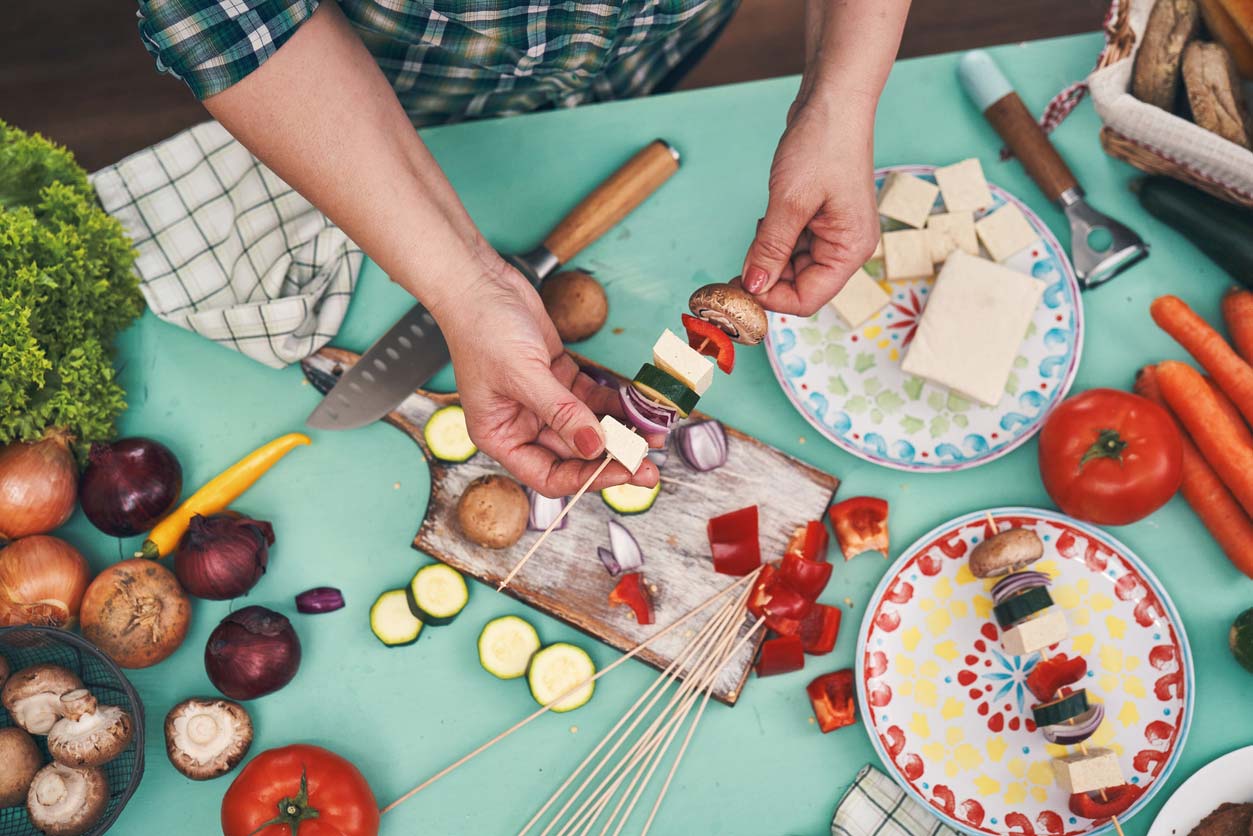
point(299, 790)
point(1110, 457)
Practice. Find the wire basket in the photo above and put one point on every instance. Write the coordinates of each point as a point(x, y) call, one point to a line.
point(25, 646)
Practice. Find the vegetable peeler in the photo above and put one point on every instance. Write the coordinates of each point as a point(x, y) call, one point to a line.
point(1100, 247)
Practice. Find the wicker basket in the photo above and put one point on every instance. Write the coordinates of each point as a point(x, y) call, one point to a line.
point(24, 646)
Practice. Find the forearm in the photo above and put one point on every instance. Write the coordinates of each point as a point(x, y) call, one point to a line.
point(849, 49)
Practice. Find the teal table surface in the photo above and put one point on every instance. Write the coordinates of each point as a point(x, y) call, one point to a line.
point(346, 508)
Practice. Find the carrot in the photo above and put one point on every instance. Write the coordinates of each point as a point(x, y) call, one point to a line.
point(1234, 375)
point(1238, 314)
point(1222, 516)
point(1229, 409)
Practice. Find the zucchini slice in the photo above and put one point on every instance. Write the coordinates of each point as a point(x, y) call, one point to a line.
point(555, 670)
point(506, 646)
point(437, 594)
point(1060, 710)
point(447, 437)
point(665, 389)
point(1022, 606)
point(630, 499)
point(392, 622)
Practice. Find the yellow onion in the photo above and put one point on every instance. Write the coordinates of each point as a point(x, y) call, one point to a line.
point(38, 485)
point(42, 581)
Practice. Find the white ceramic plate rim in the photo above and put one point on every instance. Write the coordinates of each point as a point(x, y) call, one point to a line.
point(1180, 813)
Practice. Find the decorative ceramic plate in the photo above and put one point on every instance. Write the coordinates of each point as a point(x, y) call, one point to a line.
point(1225, 780)
point(948, 711)
point(848, 382)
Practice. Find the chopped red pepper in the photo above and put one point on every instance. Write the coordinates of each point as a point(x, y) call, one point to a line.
point(810, 541)
point(1091, 805)
point(631, 592)
point(733, 542)
point(861, 525)
point(1051, 675)
point(711, 340)
point(819, 629)
point(780, 655)
point(831, 696)
point(808, 577)
point(781, 606)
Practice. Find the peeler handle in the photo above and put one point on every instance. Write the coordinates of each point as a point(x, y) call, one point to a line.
point(992, 93)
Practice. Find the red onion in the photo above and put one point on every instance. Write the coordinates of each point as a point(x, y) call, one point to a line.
point(544, 510)
point(129, 485)
point(253, 652)
point(37, 486)
point(608, 561)
point(222, 556)
point(702, 445)
point(1078, 730)
point(654, 411)
point(640, 417)
point(1017, 582)
point(624, 548)
point(319, 599)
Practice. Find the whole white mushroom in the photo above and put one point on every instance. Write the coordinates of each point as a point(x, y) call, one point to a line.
point(32, 696)
point(66, 801)
point(205, 738)
point(21, 759)
point(88, 734)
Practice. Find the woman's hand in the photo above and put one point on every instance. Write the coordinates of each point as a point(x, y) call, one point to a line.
point(527, 404)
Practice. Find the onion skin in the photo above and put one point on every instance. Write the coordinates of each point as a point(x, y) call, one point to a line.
point(42, 581)
point(223, 556)
point(38, 486)
point(130, 485)
point(136, 612)
point(253, 652)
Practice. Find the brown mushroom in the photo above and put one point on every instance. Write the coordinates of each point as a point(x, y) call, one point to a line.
point(21, 760)
point(493, 512)
point(88, 734)
point(32, 696)
point(65, 801)
point(732, 309)
point(205, 738)
point(1006, 552)
point(576, 303)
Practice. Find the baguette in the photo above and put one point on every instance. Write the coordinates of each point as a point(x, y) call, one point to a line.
point(1214, 92)
point(1155, 76)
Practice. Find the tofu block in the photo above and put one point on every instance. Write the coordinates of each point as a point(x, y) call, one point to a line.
point(1049, 627)
point(972, 327)
point(907, 199)
point(1096, 770)
point(622, 445)
point(1005, 232)
point(860, 299)
point(949, 231)
point(682, 362)
point(962, 186)
point(907, 255)
point(878, 249)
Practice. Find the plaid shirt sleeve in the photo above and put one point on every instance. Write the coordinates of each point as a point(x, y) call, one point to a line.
point(211, 44)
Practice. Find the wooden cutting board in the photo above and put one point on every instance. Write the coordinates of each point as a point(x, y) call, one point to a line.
point(565, 578)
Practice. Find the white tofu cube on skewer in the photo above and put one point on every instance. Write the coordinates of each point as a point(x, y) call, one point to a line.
point(622, 445)
point(907, 198)
point(860, 299)
point(682, 362)
point(1048, 628)
point(1090, 771)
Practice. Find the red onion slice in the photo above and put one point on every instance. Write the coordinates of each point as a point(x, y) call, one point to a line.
point(625, 548)
point(1011, 585)
point(610, 562)
point(544, 510)
point(319, 599)
point(639, 408)
point(703, 445)
point(1077, 731)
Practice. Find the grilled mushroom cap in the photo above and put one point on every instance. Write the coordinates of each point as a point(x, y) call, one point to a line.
point(205, 738)
point(732, 309)
point(32, 696)
point(1006, 552)
point(21, 760)
point(64, 801)
point(88, 734)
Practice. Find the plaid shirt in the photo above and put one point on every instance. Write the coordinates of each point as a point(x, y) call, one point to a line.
point(450, 60)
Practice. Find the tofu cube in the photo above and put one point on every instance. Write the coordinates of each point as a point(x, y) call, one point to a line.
point(972, 327)
point(907, 255)
point(962, 186)
point(907, 199)
point(949, 231)
point(1098, 769)
point(622, 445)
point(860, 299)
point(682, 362)
point(1049, 627)
point(1005, 232)
point(878, 249)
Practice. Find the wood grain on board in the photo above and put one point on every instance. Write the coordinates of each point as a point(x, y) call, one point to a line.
point(565, 578)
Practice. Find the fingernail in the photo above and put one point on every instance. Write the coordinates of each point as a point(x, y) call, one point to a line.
point(755, 280)
point(588, 442)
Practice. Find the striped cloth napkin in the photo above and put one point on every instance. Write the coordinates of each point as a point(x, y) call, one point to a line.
point(875, 806)
point(227, 249)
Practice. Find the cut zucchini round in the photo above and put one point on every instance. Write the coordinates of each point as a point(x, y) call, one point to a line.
point(1022, 606)
point(391, 620)
point(506, 646)
point(1061, 709)
point(555, 670)
point(630, 499)
point(665, 389)
point(447, 437)
point(437, 594)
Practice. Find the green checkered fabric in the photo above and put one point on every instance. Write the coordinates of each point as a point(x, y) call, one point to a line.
point(875, 806)
point(450, 60)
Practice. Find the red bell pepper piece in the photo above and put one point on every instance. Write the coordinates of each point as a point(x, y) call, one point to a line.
point(1053, 674)
point(808, 577)
point(1091, 805)
point(781, 606)
point(861, 525)
point(780, 655)
point(819, 629)
point(711, 340)
point(733, 542)
point(810, 541)
point(831, 696)
point(631, 592)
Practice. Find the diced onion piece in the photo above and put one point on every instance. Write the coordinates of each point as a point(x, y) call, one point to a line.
point(703, 445)
point(1078, 730)
point(610, 562)
point(626, 551)
point(1011, 585)
point(544, 510)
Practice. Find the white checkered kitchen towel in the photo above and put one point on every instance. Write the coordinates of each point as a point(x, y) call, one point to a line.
point(875, 806)
point(227, 249)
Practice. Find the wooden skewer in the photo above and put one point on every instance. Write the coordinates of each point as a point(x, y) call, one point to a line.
point(996, 529)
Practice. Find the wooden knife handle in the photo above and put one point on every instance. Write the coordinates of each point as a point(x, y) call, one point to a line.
point(613, 199)
point(1031, 145)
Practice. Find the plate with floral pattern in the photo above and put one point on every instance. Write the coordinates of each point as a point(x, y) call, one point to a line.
point(948, 711)
point(848, 382)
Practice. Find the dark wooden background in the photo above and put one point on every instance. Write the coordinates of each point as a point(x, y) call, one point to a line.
point(76, 71)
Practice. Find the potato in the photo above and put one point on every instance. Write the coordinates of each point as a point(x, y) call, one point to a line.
point(493, 512)
point(577, 304)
